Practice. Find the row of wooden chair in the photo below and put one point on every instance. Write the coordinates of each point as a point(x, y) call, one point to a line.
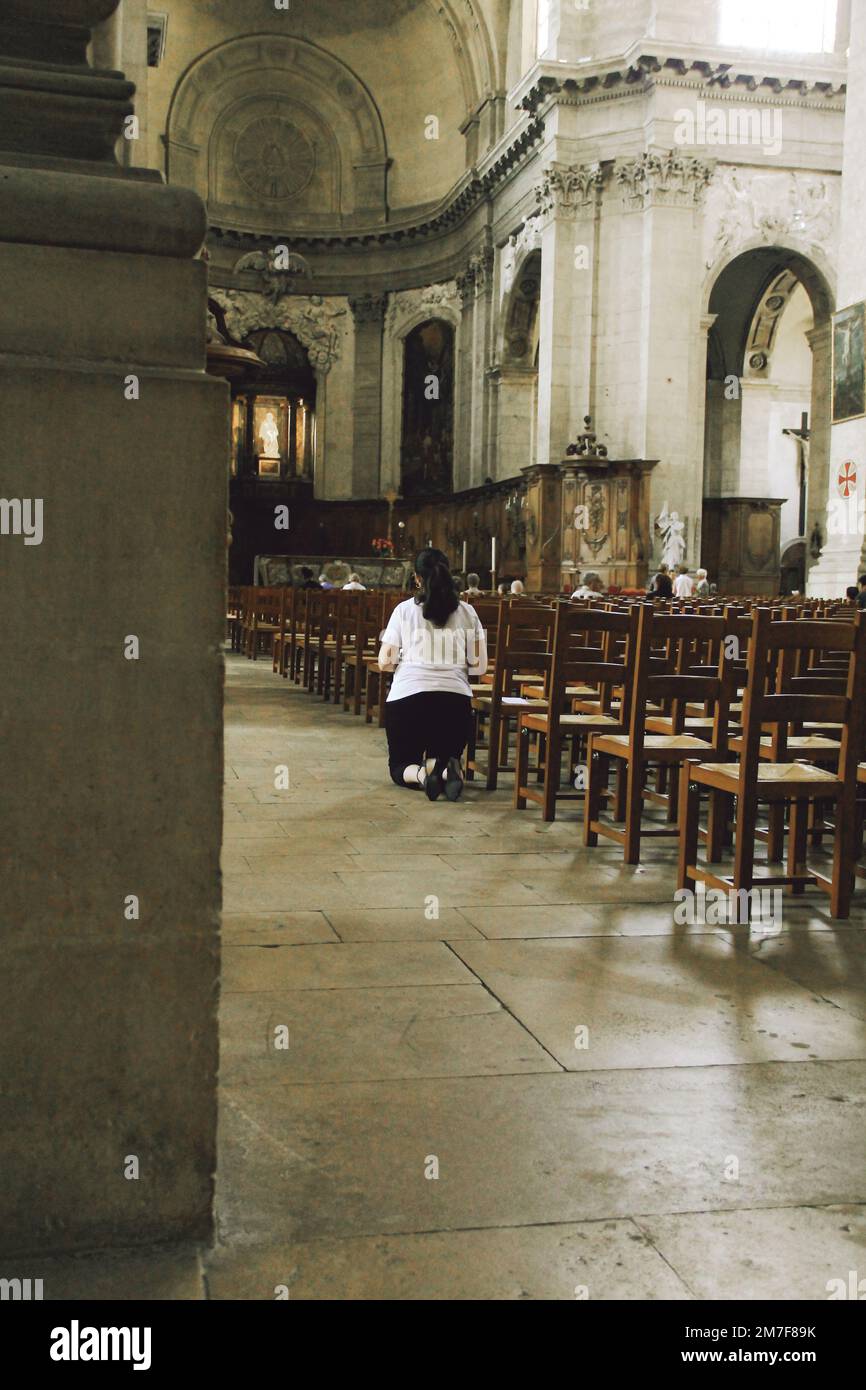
point(652, 705)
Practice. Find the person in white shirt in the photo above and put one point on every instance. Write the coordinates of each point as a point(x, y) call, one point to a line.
point(355, 583)
point(684, 585)
point(433, 643)
point(517, 588)
point(591, 585)
point(702, 587)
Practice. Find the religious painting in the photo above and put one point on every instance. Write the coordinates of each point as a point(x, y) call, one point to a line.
point(849, 364)
point(270, 434)
point(428, 410)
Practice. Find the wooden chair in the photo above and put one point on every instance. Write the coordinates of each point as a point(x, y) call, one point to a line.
point(593, 646)
point(378, 683)
point(234, 616)
point(662, 679)
point(364, 649)
point(261, 620)
point(523, 654)
point(753, 780)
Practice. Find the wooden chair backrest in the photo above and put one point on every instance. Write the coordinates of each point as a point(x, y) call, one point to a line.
point(680, 660)
point(593, 646)
point(524, 645)
point(777, 695)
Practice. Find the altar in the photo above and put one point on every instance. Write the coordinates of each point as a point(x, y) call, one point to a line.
point(275, 571)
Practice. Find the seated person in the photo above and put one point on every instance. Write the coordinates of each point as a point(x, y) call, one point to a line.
point(861, 597)
point(308, 580)
point(684, 585)
point(702, 588)
point(354, 582)
point(472, 589)
point(851, 593)
point(324, 581)
point(502, 590)
point(661, 585)
point(591, 585)
point(517, 588)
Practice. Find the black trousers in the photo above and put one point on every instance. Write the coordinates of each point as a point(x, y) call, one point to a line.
point(435, 724)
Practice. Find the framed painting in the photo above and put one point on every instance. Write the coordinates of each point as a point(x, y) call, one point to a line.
point(849, 365)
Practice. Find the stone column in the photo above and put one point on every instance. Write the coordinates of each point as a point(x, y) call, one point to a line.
point(844, 555)
point(466, 470)
point(569, 200)
point(369, 313)
point(473, 451)
point(665, 191)
point(114, 449)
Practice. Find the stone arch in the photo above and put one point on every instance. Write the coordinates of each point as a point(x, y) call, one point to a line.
point(745, 297)
point(518, 332)
point(330, 157)
point(470, 38)
point(408, 309)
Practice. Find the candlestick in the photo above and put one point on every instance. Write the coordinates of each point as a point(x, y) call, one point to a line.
point(493, 558)
point(464, 557)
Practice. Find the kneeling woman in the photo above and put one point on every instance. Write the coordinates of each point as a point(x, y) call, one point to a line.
point(433, 643)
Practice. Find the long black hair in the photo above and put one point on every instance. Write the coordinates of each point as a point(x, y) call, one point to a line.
point(437, 592)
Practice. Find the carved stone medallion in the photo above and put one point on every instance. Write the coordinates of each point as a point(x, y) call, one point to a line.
point(274, 158)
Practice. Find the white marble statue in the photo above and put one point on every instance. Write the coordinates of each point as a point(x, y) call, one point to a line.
point(269, 434)
point(672, 529)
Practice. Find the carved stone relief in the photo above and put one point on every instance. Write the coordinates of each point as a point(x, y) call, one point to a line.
point(743, 204)
point(404, 305)
point(519, 245)
point(316, 322)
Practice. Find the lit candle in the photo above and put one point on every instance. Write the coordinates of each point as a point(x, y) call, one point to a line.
point(493, 558)
point(464, 557)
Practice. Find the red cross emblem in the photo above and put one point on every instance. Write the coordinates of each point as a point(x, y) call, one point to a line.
point(847, 480)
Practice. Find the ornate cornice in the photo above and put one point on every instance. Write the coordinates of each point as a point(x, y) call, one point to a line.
point(667, 178)
point(622, 78)
point(476, 189)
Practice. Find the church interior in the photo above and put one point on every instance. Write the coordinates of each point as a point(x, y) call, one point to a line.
point(572, 294)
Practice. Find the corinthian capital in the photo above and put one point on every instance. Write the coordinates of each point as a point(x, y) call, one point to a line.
point(565, 189)
point(667, 179)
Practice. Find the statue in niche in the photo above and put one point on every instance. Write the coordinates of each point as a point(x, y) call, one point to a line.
point(673, 543)
point(269, 434)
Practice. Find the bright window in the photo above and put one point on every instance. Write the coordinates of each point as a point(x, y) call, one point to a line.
point(542, 29)
point(798, 26)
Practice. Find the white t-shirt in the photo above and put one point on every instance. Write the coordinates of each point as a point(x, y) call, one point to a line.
point(353, 585)
point(435, 658)
point(684, 586)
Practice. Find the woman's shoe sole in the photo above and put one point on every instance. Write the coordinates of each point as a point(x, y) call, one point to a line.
point(453, 785)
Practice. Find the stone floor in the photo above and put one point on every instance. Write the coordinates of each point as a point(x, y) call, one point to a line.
point(508, 1074)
